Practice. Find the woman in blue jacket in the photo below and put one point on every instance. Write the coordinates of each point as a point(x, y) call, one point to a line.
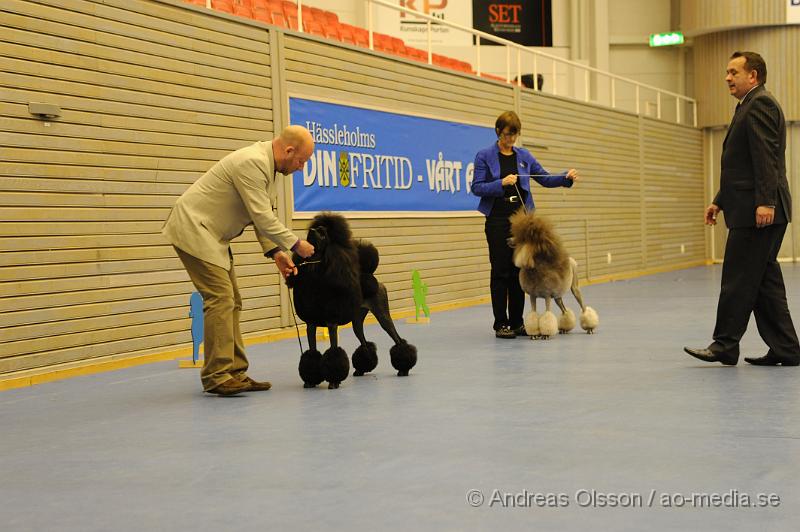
point(496, 182)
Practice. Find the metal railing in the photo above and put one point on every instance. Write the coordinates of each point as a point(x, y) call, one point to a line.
point(609, 96)
point(568, 71)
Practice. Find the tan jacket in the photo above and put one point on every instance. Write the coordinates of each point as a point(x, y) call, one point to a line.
point(237, 191)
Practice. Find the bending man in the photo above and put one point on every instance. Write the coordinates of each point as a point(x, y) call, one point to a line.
point(238, 191)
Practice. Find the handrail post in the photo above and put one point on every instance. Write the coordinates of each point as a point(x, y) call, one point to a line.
point(586, 86)
point(694, 113)
point(519, 68)
point(555, 83)
point(508, 64)
point(678, 110)
point(658, 105)
point(536, 71)
point(613, 93)
point(430, 44)
point(369, 25)
point(478, 53)
point(300, 15)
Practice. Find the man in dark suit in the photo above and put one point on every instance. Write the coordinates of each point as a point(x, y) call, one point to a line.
point(754, 197)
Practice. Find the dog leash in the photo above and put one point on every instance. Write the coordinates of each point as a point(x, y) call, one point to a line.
point(520, 193)
point(296, 327)
point(521, 199)
point(291, 304)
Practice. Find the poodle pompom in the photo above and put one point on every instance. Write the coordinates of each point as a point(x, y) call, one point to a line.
point(589, 320)
point(548, 324)
point(365, 359)
point(566, 322)
point(335, 366)
point(532, 323)
point(368, 257)
point(403, 357)
point(310, 368)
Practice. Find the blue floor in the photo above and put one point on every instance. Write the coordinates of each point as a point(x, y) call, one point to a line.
point(536, 426)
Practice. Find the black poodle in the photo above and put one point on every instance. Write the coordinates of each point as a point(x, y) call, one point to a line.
point(337, 286)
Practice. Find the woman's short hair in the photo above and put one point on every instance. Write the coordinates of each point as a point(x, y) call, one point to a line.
point(509, 120)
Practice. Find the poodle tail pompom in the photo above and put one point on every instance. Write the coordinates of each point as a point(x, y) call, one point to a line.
point(567, 321)
point(403, 357)
point(310, 368)
point(368, 257)
point(548, 324)
point(335, 366)
point(532, 323)
point(365, 359)
point(589, 320)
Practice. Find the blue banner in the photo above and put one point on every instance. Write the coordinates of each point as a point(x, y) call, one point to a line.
point(367, 160)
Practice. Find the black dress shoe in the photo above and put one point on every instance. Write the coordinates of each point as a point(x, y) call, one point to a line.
point(520, 331)
point(706, 355)
point(770, 360)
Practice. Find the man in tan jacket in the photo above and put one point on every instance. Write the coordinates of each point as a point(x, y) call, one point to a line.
point(239, 190)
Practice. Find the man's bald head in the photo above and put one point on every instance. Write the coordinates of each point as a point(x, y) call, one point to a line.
point(297, 136)
point(292, 148)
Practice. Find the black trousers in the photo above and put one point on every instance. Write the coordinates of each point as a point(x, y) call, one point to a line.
point(752, 283)
point(504, 282)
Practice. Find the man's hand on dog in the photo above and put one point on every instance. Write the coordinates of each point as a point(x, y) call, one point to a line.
point(284, 264)
point(303, 248)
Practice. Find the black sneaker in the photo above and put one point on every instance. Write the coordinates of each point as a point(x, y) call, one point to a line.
point(505, 332)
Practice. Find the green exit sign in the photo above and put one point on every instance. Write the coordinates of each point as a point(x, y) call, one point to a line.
point(666, 39)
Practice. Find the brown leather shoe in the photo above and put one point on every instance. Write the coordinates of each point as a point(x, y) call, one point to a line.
point(255, 386)
point(230, 387)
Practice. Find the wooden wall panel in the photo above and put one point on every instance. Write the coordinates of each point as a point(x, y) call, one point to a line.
point(151, 96)
point(708, 16)
point(777, 45)
point(640, 187)
point(673, 194)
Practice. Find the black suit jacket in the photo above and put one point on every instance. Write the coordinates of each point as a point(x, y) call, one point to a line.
point(754, 163)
